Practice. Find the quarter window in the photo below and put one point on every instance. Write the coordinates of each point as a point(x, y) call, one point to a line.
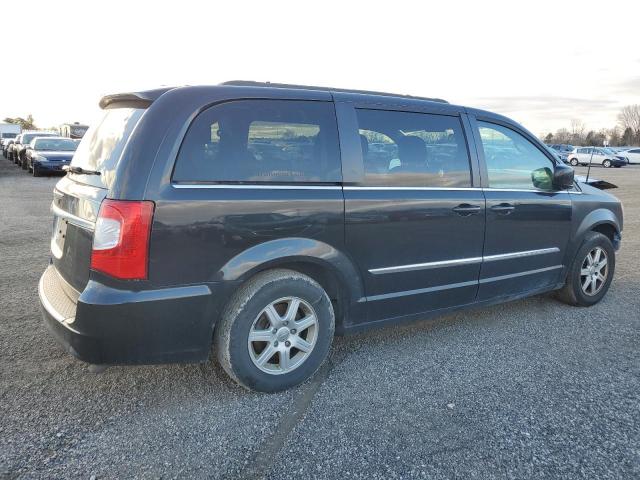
point(262, 141)
point(410, 149)
point(513, 161)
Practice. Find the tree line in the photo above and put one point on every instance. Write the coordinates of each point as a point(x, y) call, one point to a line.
point(625, 133)
point(26, 123)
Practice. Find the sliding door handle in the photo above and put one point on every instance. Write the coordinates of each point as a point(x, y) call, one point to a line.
point(465, 209)
point(503, 208)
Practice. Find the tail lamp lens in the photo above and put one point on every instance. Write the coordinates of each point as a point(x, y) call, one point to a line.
point(121, 239)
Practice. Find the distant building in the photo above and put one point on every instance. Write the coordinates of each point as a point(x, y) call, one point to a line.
point(73, 130)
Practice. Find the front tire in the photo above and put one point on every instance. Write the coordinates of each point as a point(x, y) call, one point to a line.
point(606, 164)
point(276, 331)
point(36, 171)
point(591, 272)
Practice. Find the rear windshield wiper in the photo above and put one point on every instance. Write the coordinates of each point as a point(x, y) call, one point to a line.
point(80, 170)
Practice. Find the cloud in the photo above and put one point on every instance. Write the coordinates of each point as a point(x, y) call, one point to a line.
point(629, 87)
point(548, 113)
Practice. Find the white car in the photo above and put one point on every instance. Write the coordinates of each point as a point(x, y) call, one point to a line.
point(597, 156)
point(633, 154)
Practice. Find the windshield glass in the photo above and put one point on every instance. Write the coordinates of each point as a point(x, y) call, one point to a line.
point(101, 147)
point(58, 144)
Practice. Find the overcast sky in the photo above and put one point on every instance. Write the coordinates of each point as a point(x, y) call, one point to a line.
point(541, 63)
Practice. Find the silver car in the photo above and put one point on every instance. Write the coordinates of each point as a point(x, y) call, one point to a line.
point(633, 154)
point(596, 156)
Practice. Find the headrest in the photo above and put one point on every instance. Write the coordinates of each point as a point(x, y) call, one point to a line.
point(412, 151)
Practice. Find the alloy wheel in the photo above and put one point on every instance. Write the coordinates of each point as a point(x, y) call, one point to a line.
point(594, 271)
point(283, 335)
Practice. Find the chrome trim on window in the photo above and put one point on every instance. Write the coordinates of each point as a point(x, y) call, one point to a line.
point(426, 266)
point(362, 187)
point(462, 261)
point(255, 187)
point(73, 219)
point(526, 253)
point(489, 189)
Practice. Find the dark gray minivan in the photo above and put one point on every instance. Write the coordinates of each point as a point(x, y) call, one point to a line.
point(259, 219)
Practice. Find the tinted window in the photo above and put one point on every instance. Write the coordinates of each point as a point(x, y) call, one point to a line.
point(512, 160)
point(102, 146)
point(262, 141)
point(413, 149)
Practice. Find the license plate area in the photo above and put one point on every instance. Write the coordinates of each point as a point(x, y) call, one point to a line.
point(58, 236)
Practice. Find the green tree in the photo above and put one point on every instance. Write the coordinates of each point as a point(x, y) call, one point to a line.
point(26, 123)
point(548, 138)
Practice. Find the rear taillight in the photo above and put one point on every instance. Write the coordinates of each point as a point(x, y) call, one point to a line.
point(121, 239)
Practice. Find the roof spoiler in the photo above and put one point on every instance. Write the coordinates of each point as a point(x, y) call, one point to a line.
point(132, 99)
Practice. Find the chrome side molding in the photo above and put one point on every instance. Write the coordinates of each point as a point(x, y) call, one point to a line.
point(462, 261)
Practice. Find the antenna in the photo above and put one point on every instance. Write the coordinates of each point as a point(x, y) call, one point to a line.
point(589, 167)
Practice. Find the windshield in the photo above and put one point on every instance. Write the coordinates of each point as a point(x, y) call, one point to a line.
point(57, 144)
point(101, 147)
point(608, 150)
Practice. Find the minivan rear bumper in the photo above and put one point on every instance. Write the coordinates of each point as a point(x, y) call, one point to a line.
point(109, 326)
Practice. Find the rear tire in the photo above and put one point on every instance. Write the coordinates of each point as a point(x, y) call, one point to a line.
point(36, 171)
point(574, 162)
point(255, 342)
point(583, 288)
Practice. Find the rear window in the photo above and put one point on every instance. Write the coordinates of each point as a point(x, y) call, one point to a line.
point(102, 145)
point(261, 141)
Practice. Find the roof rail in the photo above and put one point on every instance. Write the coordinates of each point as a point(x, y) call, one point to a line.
point(250, 83)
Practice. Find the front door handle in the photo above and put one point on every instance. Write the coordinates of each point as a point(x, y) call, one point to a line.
point(465, 209)
point(503, 208)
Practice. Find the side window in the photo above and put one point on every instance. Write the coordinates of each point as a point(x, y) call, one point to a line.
point(261, 141)
point(407, 149)
point(513, 161)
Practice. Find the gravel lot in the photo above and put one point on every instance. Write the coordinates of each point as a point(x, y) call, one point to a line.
point(529, 389)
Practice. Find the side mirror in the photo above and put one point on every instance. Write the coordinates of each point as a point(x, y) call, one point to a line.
point(542, 178)
point(563, 177)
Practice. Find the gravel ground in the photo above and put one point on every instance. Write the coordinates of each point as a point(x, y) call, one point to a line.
point(529, 389)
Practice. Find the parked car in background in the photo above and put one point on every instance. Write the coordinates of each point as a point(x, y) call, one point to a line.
point(20, 148)
point(4, 144)
point(254, 218)
point(633, 154)
point(597, 156)
point(49, 154)
point(11, 147)
point(563, 150)
point(73, 130)
point(9, 130)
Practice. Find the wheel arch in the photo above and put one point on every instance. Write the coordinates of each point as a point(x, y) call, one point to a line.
point(601, 220)
point(332, 269)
